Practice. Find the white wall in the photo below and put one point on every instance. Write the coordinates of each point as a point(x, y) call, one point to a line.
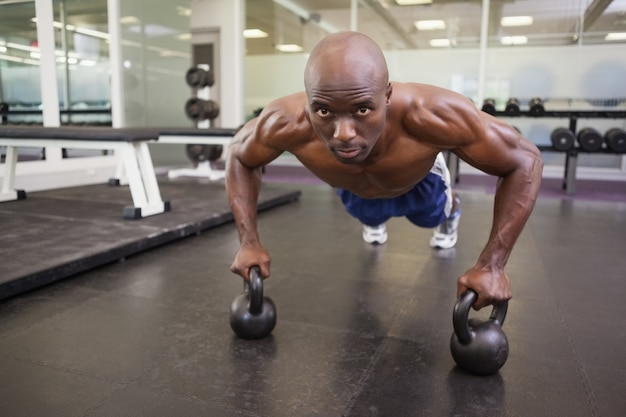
point(552, 73)
point(549, 72)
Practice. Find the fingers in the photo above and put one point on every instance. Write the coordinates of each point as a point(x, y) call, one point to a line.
point(481, 302)
point(491, 285)
point(245, 261)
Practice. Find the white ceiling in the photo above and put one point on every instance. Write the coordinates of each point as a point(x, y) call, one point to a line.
point(392, 26)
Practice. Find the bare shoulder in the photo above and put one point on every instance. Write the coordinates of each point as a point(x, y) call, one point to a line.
point(283, 124)
point(448, 120)
point(432, 101)
point(441, 116)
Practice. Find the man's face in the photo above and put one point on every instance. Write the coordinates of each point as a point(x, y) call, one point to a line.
point(348, 113)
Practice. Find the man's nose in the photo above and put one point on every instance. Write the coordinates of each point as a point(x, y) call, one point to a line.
point(344, 130)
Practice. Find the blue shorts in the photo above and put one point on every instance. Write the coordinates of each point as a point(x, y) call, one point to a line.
point(426, 205)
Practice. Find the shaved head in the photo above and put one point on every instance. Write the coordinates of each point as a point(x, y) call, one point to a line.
point(348, 93)
point(346, 57)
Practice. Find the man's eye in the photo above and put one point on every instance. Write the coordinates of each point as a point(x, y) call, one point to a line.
point(363, 111)
point(322, 112)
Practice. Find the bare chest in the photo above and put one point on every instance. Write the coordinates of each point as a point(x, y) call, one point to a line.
point(393, 174)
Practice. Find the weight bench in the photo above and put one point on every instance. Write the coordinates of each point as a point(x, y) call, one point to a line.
point(130, 144)
point(196, 136)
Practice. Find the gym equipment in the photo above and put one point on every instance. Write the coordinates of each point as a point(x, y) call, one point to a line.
point(253, 316)
point(489, 106)
point(562, 139)
point(615, 139)
point(478, 346)
point(131, 144)
point(199, 77)
point(536, 108)
point(4, 109)
point(198, 109)
point(201, 153)
point(512, 107)
point(590, 139)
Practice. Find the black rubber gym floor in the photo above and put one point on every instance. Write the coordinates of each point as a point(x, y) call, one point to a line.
point(362, 330)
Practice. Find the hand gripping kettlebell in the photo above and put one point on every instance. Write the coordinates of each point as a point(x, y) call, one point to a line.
point(253, 316)
point(478, 346)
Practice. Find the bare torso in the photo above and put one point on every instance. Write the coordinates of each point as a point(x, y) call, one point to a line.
point(403, 166)
point(402, 157)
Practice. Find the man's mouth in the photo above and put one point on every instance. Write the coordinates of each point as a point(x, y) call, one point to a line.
point(348, 153)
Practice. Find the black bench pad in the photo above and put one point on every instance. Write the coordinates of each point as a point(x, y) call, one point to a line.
point(192, 131)
point(130, 134)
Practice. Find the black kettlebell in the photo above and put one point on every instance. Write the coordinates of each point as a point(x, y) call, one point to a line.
point(253, 316)
point(478, 346)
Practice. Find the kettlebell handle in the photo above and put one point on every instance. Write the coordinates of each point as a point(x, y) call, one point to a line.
point(460, 315)
point(255, 291)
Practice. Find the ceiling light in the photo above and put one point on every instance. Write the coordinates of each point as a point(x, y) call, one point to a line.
point(254, 34)
point(149, 30)
point(439, 43)
point(12, 58)
point(289, 47)
point(516, 21)
point(183, 11)
point(615, 36)
point(430, 24)
point(413, 2)
point(129, 20)
point(514, 40)
point(22, 47)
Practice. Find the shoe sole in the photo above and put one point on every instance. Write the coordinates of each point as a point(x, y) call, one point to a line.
point(376, 241)
point(447, 246)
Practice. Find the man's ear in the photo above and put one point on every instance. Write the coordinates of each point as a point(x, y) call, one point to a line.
point(388, 93)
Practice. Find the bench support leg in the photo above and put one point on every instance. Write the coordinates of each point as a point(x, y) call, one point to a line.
point(120, 174)
point(8, 193)
point(142, 182)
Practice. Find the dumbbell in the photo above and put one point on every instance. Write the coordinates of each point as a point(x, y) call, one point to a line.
point(562, 139)
point(199, 78)
point(4, 109)
point(489, 106)
point(512, 107)
point(590, 139)
point(198, 109)
point(201, 153)
point(536, 108)
point(615, 139)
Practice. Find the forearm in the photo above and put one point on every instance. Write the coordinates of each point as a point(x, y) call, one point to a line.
point(242, 186)
point(515, 198)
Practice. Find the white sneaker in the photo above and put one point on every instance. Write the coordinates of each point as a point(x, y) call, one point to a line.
point(445, 235)
point(375, 235)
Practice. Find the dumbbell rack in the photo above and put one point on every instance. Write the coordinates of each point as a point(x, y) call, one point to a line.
point(571, 159)
point(204, 168)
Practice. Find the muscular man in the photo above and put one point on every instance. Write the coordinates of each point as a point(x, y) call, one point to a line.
point(379, 143)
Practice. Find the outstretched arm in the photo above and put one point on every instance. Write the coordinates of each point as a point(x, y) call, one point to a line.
point(246, 157)
point(498, 149)
point(515, 197)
